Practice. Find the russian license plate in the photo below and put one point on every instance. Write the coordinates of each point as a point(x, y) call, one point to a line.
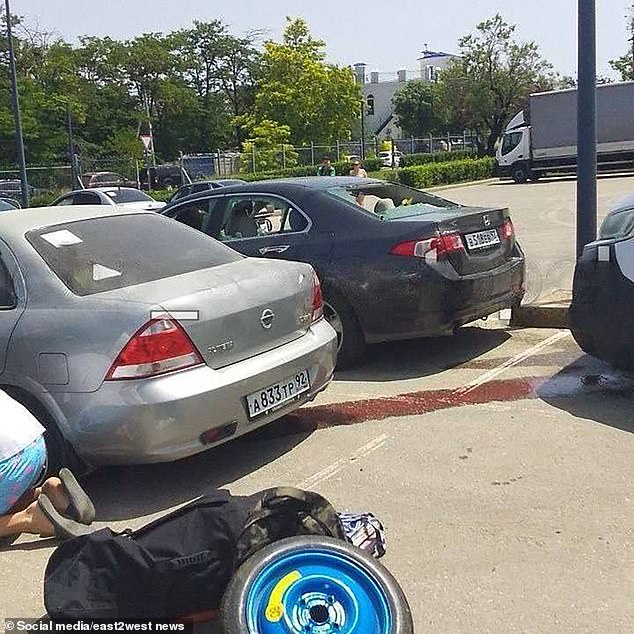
point(482, 239)
point(272, 397)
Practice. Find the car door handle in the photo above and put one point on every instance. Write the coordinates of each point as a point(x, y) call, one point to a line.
point(276, 249)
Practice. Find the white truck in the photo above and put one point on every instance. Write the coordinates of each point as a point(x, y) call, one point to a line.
point(543, 138)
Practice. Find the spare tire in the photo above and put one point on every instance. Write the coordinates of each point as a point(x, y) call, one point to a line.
point(314, 584)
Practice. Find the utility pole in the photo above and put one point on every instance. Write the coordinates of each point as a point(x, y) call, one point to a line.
point(74, 176)
point(586, 126)
point(24, 184)
point(362, 150)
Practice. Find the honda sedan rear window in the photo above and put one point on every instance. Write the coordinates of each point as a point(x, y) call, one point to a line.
point(103, 254)
point(391, 201)
point(121, 195)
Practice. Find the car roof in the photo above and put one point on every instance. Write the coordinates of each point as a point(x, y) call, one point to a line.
point(109, 188)
point(299, 183)
point(14, 224)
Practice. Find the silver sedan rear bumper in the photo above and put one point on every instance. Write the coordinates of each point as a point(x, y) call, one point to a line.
point(163, 418)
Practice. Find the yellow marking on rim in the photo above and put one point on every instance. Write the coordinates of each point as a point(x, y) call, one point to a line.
point(275, 609)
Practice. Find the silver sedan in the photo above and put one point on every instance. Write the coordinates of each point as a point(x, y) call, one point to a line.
point(137, 339)
point(128, 197)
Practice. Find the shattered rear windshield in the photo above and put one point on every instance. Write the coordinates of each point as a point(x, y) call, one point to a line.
point(391, 201)
point(618, 224)
point(103, 254)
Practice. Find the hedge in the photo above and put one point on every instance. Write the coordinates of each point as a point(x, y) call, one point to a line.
point(407, 160)
point(446, 173)
point(341, 167)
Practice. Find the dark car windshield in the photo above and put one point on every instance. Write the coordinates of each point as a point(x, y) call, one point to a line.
point(122, 195)
point(619, 224)
point(391, 201)
point(102, 254)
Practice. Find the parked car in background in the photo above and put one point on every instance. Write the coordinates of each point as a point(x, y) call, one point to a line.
point(8, 204)
point(106, 179)
point(12, 188)
point(202, 186)
point(136, 339)
point(162, 176)
point(395, 262)
point(602, 309)
point(390, 159)
point(125, 196)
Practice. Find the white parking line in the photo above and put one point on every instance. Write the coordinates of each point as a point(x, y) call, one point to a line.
point(335, 467)
point(509, 363)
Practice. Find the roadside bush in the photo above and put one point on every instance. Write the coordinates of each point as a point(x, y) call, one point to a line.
point(342, 168)
point(446, 173)
point(407, 160)
point(44, 199)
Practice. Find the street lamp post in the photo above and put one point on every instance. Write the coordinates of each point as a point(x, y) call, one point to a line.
point(24, 184)
point(586, 126)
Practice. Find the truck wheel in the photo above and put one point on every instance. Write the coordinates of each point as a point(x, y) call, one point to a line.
point(314, 584)
point(520, 173)
point(535, 176)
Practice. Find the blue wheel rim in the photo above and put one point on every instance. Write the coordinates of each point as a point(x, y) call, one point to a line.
point(316, 591)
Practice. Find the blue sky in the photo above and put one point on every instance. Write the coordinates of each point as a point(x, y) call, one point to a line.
point(385, 35)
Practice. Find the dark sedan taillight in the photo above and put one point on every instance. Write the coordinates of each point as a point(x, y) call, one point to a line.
point(506, 230)
point(430, 249)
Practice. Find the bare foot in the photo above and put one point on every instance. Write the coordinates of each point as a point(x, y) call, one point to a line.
point(36, 522)
point(54, 489)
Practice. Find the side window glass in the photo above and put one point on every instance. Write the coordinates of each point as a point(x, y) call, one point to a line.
point(258, 215)
point(66, 201)
point(196, 214)
point(86, 198)
point(199, 187)
point(7, 291)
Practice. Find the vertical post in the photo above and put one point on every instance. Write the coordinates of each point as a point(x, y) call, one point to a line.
point(71, 149)
point(24, 183)
point(253, 157)
point(338, 152)
point(363, 128)
point(586, 126)
point(431, 143)
point(411, 147)
point(312, 153)
point(283, 156)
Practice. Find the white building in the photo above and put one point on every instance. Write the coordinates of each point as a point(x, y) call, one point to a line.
point(379, 88)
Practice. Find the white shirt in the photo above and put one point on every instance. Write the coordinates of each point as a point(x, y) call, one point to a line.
point(18, 427)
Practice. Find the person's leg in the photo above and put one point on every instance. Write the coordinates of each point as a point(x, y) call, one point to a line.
point(30, 520)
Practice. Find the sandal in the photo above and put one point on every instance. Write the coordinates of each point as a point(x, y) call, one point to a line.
point(65, 528)
point(81, 507)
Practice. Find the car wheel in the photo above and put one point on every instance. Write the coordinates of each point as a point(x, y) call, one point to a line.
point(58, 452)
point(585, 341)
point(350, 339)
point(314, 584)
point(520, 173)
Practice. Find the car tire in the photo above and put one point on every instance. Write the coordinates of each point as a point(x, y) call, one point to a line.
point(350, 339)
point(520, 173)
point(59, 453)
point(342, 584)
point(585, 341)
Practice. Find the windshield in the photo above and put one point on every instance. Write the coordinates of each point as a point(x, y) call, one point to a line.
point(102, 254)
point(391, 201)
point(123, 195)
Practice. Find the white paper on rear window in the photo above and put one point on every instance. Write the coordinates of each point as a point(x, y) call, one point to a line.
point(63, 238)
point(100, 272)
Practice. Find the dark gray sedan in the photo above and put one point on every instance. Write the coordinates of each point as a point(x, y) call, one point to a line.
point(137, 339)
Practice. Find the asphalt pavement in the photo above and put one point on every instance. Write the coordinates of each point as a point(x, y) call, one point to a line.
point(498, 459)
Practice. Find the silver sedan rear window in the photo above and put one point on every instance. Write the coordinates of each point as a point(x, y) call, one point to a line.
point(103, 254)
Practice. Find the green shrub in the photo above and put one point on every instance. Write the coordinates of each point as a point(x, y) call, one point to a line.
point(446, 173)
point(342, 168)
point(407, 160)
point(44, 199)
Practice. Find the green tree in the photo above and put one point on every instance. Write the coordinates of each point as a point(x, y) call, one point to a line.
point(492, 79)
point(416, 106)
point(297, 88)
point(267, 146)
point(625, 65)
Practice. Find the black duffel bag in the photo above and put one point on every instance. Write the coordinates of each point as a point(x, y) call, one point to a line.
point(181, 563)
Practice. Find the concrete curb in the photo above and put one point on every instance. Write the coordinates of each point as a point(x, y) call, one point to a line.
point(549, 316)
